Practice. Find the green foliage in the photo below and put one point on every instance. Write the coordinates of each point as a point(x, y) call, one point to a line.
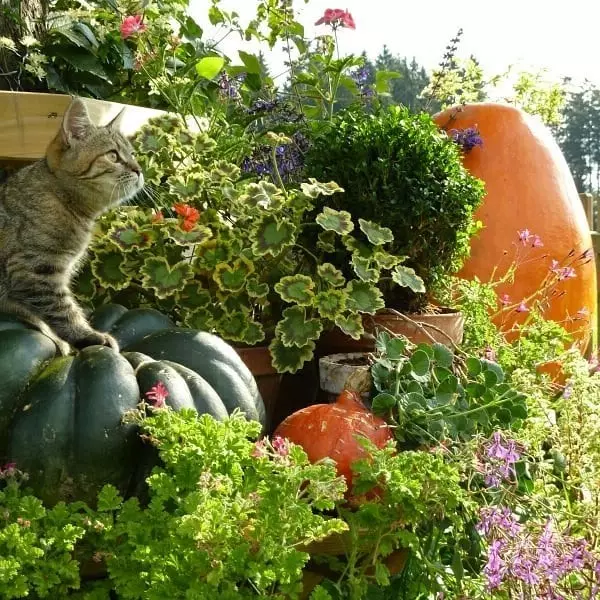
point(429, 395)
point(399, 164)
point(226, 254)
point(36, 543)
point(409, 492)
point(218, 512)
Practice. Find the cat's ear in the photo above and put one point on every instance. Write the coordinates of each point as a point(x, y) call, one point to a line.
point(115, 124)
point(76, 122)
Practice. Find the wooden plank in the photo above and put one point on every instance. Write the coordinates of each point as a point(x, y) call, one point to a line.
point(596, 246)
point(588, 206)
point(28, 121)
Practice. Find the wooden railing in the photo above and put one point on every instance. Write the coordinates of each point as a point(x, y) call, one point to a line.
point(591, 209)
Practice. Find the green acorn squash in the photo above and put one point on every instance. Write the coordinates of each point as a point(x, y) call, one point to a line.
point(61, 417)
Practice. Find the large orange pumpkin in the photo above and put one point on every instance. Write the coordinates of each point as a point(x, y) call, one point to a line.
point(332, 430)
point(528, 187)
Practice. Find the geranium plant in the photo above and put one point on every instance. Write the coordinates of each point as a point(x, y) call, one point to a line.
point(223, 253)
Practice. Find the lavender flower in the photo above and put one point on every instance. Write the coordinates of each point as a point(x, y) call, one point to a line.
point(360, 76)
point(498, 461)
point(229, 87)
point(467, 138)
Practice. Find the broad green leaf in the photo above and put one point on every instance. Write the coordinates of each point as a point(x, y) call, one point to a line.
point(420, 363)
point(295, 329)
point(272, 236)
point(314, 188)
point(406, 277)
point(210, 66)
point(330, 303)
point(250, 61)
point(198, 235)
point(254, 334)
point(108, 269)
point(363, 269)
point(232, 278)
point(326, 241)
point(255, 289)
point(339, 221)
point(288, 359)
point(201, 319)
point(296, 289)
point(383, 402)
point(382, 80)
point(212, 254)
point(194, 295)
point(443, 355)
point(490, 365)
point(351, 325)
point(363, 297)
point(376, 234)
point(164, 279)
point(395, 347)
point(232, 326)
point(331, 275)
point(473, 366)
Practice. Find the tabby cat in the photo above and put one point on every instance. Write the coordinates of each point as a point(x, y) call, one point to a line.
point(47, 213)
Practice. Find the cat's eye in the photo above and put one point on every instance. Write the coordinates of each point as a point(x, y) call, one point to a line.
point(112, 156)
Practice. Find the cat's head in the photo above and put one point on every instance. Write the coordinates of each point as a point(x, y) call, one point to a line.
point(97, 162)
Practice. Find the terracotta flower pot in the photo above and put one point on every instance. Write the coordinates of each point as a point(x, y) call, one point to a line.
point(446, 327)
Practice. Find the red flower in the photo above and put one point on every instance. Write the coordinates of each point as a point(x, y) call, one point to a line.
point(189, 213)
point(158, 394)
point(336, 17)
point(132, 25)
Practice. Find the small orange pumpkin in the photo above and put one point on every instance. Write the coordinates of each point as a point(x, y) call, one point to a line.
point(331, 430)
point(528, 186)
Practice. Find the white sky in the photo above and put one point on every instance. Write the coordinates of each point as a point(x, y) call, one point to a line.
point(560, 36)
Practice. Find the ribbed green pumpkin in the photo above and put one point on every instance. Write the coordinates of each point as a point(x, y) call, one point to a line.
point(61, 417)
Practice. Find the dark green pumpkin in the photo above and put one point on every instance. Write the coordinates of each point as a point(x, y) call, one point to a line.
point(61, 418)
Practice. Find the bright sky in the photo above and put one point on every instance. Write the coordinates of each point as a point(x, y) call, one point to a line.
point(562, 36)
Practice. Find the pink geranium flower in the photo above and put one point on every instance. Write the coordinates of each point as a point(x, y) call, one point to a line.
point(157, 394)
point(336, 17)
point(131, 25)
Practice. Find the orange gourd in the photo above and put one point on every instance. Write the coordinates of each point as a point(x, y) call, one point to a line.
point(528, 186)
point(331, 430)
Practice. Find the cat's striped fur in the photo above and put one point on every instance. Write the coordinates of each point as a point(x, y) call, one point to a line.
point(47, 213)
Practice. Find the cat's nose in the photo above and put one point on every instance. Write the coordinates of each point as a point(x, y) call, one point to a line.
point(136, 168)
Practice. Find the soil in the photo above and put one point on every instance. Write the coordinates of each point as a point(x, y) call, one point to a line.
point(356, 361)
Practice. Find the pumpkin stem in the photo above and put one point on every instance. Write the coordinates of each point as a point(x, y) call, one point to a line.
point(350, 399)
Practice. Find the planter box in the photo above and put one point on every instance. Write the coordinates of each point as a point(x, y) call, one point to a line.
point(28, 121)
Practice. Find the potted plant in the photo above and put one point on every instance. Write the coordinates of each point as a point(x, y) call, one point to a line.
point(220, 252)
point(399, 166)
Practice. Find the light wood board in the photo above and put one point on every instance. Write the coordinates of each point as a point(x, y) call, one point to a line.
point(28, 121)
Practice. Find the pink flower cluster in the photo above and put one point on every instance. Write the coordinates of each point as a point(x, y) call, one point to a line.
point(278, 447)
point(131, 25)
point(157, 394)
point(336, 17)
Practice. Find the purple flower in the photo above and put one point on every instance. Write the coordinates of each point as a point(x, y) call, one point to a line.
point(566, 273)
point(360, 76)
point(281, 446)
point(467, 138)
point(524, 236)
point(537, 242)
point(494, 569)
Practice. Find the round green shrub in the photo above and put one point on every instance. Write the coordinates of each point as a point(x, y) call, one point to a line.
point(397, 168)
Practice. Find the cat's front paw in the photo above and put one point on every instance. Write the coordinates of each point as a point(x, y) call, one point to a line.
point(97, 338)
